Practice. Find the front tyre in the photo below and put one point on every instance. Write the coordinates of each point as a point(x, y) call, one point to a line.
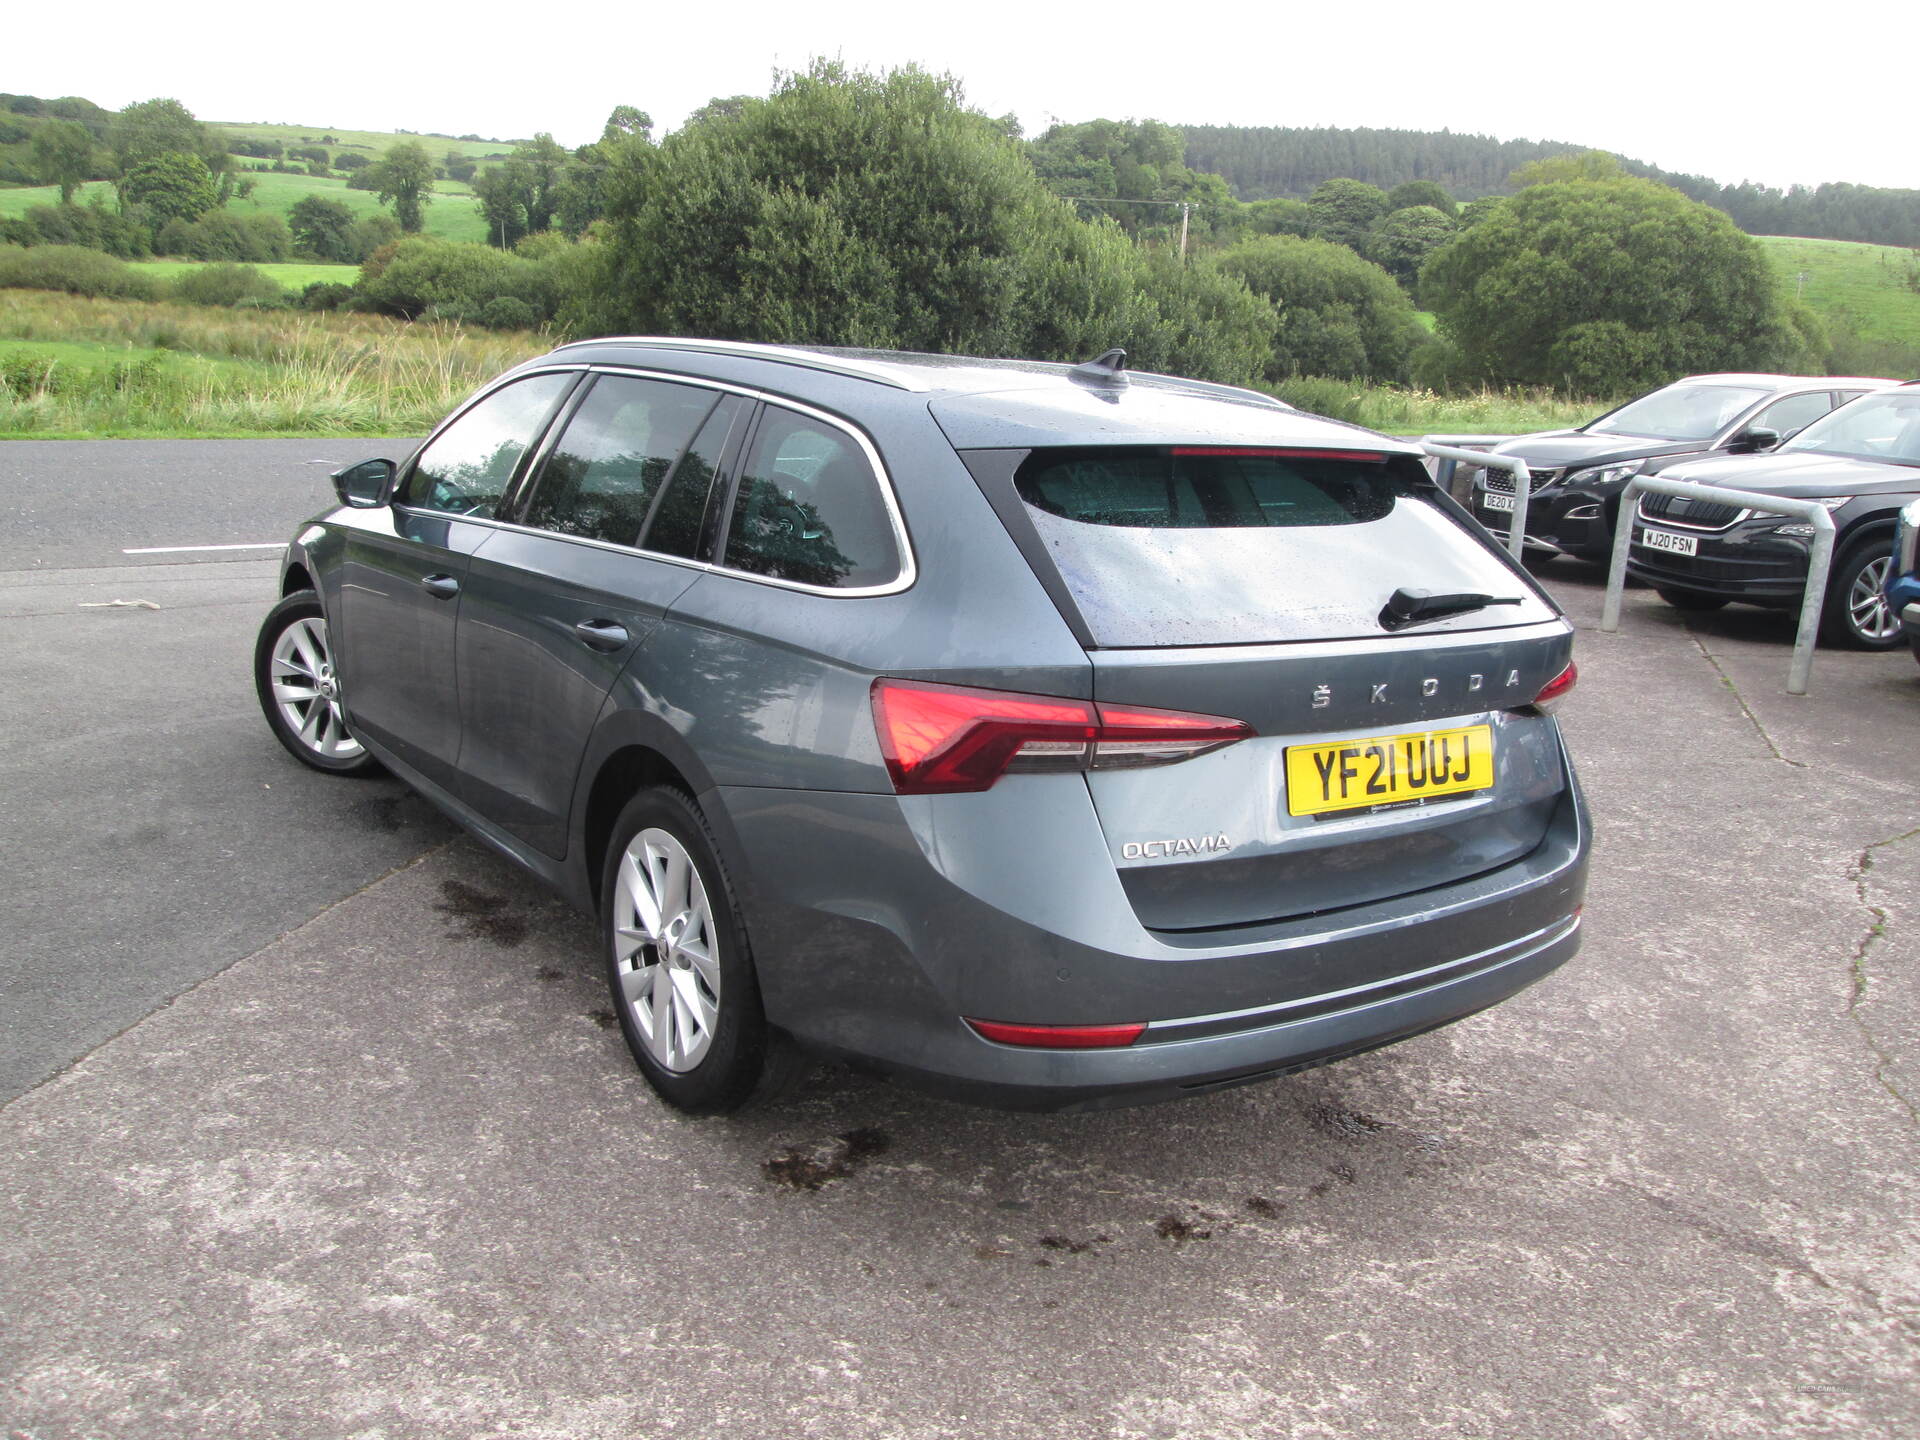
point(299, 688)
point(1856, 615)
point(679, 967)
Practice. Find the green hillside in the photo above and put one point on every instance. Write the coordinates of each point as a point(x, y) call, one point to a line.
point(1871, 290)
point(370, 143)
point(452, 215)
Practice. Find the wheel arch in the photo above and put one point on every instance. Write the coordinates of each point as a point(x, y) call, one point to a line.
point(630, 752)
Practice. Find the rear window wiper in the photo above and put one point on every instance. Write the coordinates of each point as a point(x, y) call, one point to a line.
point(1407, 607)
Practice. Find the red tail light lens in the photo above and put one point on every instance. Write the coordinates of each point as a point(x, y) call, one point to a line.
point(1557, 689)
point(951, 739)
point(1060, 1037)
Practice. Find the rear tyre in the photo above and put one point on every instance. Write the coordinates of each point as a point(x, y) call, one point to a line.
point(1856, 615)
point(293, 673)
point(679, 966)
point(1689, 599)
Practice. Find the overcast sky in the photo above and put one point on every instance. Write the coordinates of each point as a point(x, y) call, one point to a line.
point(1733, 92)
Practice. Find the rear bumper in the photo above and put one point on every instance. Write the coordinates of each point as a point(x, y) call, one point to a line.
point(874, 935)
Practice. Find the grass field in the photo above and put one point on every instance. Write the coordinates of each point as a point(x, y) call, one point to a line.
point(451, 213)
point(292, 277)
point(1862, 286)
point(370, 143)
point(73, 368)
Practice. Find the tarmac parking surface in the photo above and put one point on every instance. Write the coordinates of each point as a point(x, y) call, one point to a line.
point(317, 1123)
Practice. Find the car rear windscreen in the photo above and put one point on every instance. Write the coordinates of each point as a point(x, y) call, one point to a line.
point(1202, 545)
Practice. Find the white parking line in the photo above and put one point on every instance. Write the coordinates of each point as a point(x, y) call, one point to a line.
point(183, 549)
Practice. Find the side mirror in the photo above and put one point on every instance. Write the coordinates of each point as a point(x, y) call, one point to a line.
point(366, 486)
point(1756, 438)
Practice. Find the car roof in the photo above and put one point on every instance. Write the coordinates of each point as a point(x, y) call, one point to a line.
point(1784, 382)
point(984, 403)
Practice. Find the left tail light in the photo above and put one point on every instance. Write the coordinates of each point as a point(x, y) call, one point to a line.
point(1557, 689)
point(950, 739)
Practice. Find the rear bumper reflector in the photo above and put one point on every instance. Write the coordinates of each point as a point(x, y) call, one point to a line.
point(1059, 1037)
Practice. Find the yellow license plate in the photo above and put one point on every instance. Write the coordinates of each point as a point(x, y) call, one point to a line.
point(1388, 769)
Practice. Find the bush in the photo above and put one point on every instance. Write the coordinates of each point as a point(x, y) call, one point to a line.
point(504, 312)
point(228, 285)
point(324, 295)
point(92, 226)
point(74, 270)
point(452, 280)
point(258, 239)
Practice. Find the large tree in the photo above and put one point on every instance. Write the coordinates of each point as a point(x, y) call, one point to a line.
point(63, 156)
point(1603, 286)
point(861, 209)
point(1345, 211)
point(171, 187)
point(403, 178)
point(161, 127)
point(1401, 243)
point(1340, 315)
point(323, 228)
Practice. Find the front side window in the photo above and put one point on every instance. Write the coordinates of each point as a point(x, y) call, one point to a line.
point(1679, 412)
point(1796, 412)
point(809, 508)
point(603, 473)
point(467, 467)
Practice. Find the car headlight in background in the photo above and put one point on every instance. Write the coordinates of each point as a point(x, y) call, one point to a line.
point(1825, 502)
point(1607, 474)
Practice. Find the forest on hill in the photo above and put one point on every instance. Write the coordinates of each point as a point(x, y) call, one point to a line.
point(1280, 162)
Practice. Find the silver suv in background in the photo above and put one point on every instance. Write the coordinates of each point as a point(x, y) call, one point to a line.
point(1052, 736)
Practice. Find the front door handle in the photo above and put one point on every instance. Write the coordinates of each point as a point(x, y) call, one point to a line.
point(441, 587)
point(602, 634)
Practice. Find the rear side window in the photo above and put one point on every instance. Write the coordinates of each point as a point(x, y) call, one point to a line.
point(681, 511)
point(466, 468)
point(809, 508)
point(603, 473)
point(1197, 545)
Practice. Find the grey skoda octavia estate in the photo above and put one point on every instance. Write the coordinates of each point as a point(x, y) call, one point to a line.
point(1054, 736)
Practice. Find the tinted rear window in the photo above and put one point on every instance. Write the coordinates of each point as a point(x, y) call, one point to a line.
point(1190, 546)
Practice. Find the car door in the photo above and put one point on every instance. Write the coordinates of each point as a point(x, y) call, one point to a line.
point(559, 601)
point(1791, 414)
point(402, 569)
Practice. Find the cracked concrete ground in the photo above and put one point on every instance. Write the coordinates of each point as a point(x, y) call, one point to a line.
point(392, 1175)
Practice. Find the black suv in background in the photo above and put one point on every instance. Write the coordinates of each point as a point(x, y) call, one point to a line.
point(1862, 463)
point(1577, 475)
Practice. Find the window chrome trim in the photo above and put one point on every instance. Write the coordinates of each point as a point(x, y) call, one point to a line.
point(909, 567)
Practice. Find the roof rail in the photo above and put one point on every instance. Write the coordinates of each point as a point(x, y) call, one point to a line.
point(778, 354)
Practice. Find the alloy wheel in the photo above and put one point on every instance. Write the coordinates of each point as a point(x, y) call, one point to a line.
point(1867, 608)
point(307, 691)
point(666, 950)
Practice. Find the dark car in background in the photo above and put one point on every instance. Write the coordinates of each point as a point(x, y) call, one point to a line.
point(1862, 463)
point(1056, 737)
point(1576, 476)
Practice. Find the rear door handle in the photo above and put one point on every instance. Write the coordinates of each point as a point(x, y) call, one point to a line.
point(441, 587)
point(602, 634)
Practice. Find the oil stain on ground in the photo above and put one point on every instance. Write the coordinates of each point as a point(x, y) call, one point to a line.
point(801, 1167)
point(474, 914)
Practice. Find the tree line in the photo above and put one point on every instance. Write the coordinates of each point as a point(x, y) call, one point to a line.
point(1267, 162)
point(880, 210)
